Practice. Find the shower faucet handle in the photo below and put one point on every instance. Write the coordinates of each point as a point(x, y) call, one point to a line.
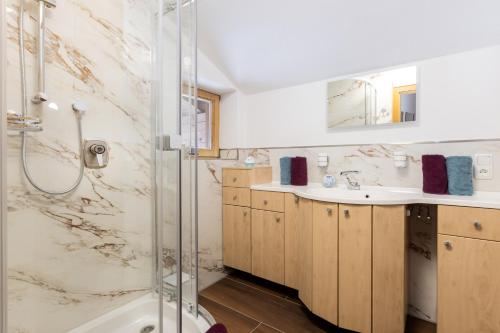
point(97, 149)
point(96, 154)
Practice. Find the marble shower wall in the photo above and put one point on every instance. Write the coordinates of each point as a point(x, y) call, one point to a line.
point(377, 169)
point(76, 257)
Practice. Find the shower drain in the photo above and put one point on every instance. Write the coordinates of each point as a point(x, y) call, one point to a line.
point(148, 329)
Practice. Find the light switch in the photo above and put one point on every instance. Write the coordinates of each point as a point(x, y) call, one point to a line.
point(483, 166)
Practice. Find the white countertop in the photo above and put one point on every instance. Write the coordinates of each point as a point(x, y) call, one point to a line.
point(378, 195)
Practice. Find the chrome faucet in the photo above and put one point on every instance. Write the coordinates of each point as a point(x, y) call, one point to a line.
point(352, 184)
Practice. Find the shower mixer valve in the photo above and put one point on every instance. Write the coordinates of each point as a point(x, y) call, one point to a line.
point(95, 153)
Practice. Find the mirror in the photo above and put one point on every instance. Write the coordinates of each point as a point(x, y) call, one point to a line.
point(388, 97)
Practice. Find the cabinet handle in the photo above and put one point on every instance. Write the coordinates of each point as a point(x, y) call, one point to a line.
point(296, 199)
point(478, 225)
point(448, 245)
point(346, 213)
point(278, 219)
point(329, 211)
point(235, 197)
point(245, 213)
point(265, 202)
point(235, 179)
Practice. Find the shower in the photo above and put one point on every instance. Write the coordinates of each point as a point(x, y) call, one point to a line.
point(41, 97)
point(117, 250)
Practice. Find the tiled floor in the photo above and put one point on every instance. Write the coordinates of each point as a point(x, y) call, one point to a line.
point(246, 304)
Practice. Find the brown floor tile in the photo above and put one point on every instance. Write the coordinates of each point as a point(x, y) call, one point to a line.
point(245, 305)
point(265, 286)
point(261, 306)
point(414, 325)
point(263, 328)
point(234, 321)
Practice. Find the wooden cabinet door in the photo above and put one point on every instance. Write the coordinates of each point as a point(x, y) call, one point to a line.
point(355, 267)
point(389, 269)
point(268, 245)
point(237, 237)
point(296, 209)
point(468, 285)
point(305, 254)
point(325, 260)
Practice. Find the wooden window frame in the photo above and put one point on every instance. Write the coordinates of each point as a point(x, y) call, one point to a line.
point(215, 118)
point(396, 100)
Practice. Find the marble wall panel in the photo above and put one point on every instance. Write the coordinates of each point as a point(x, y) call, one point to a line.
point(75, 257)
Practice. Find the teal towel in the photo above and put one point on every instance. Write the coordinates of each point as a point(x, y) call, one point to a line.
point(459, 175)
point(285, 170)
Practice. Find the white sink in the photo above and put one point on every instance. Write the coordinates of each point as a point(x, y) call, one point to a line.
point(365, 195)
point(380, 195)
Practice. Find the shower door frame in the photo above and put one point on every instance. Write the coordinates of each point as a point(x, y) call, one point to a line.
point(3, 176)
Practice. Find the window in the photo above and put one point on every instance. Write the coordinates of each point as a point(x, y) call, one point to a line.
point(207, 117)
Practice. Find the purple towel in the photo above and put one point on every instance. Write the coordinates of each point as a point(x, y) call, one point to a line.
point(299, 171)
point(217, 328)
point(435, 174)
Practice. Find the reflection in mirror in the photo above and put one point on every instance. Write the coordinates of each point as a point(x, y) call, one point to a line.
point(380, 98)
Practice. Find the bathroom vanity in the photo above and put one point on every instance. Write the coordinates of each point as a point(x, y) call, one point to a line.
point(346, 252)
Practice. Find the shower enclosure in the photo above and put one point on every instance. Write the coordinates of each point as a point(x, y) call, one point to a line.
point(115, 251)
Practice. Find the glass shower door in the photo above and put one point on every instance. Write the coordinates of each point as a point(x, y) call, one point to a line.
point(177, 273)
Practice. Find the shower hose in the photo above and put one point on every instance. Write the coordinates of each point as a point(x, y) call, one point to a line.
point(24, 103)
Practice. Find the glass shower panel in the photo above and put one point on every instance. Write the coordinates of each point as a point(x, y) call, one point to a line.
point(179, 278)
point(189, 162)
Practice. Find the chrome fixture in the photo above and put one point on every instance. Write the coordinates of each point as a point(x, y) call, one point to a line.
point(19, 123)
point(95, 154)
point(41, 95)
point(351, 183)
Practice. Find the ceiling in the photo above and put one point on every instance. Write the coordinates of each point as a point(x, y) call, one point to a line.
point(267, 44)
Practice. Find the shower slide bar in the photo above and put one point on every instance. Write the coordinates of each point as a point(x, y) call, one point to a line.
point(41, 95)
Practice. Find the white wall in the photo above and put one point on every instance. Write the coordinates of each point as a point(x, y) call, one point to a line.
point(231, 122)
point(457, 97)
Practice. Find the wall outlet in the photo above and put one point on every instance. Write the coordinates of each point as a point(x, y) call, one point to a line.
point(483, 166)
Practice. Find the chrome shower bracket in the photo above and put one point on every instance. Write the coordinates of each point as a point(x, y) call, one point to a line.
point(41, 95)
point(49, 3)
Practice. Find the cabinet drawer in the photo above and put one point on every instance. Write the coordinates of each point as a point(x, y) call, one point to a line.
point(236, 196)
point(274, 201)
point(236, 177)
point(478, 223)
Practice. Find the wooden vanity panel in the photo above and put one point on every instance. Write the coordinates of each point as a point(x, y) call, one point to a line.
point(355, 267)
point(325, 260)
point(305, 275)
point(459, 221)
point(265, 200)
point(268, 245)
point(389, 269)
point(293, 213)
point(237, 244)
point(237, 196)
point(468, 285)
